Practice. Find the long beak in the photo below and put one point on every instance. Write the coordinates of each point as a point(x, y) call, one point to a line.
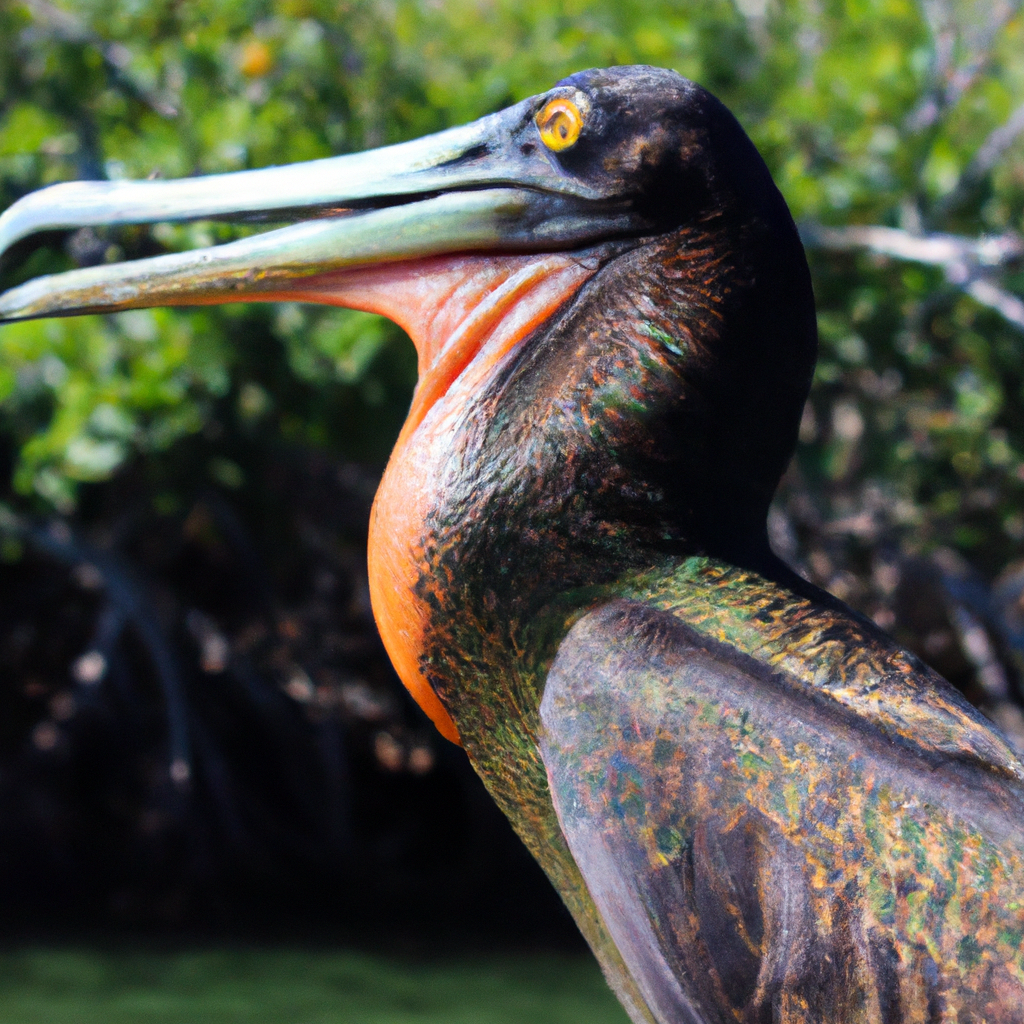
point(488, 186)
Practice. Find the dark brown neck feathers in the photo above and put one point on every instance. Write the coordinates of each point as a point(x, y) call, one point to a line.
point(652, 417)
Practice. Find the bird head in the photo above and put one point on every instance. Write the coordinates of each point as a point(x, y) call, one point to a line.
point(615, 331)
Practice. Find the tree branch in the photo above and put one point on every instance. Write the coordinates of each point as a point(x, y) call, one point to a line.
point(935, 249)
point(968, 263)
point(949, 81)
point(988, 155)
point(128, 596)
point(991, 295)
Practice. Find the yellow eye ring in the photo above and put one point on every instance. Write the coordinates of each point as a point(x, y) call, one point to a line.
point(559, 123)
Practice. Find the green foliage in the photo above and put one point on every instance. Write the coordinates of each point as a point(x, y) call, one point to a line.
point(866, 111)
point(84, 393)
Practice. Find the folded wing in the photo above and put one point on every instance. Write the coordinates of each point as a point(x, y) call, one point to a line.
point(760, 854)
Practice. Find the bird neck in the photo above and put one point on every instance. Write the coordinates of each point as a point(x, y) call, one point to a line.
point(651, 415)
point(621, 436)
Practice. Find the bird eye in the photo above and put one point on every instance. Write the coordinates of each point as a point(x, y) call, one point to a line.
point(559, 124)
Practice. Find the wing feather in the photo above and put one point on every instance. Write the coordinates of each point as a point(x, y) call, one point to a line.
point(761, 855)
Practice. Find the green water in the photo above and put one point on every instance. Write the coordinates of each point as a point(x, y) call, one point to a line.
point(267, 986)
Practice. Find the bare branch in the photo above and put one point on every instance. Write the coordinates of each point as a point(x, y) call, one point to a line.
point(133, 604)
point(927, 111)
point(996, 144)
point(991, 295)
point(987, 156)
point(936, 249)
point(968, 263)
point(950, 81)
